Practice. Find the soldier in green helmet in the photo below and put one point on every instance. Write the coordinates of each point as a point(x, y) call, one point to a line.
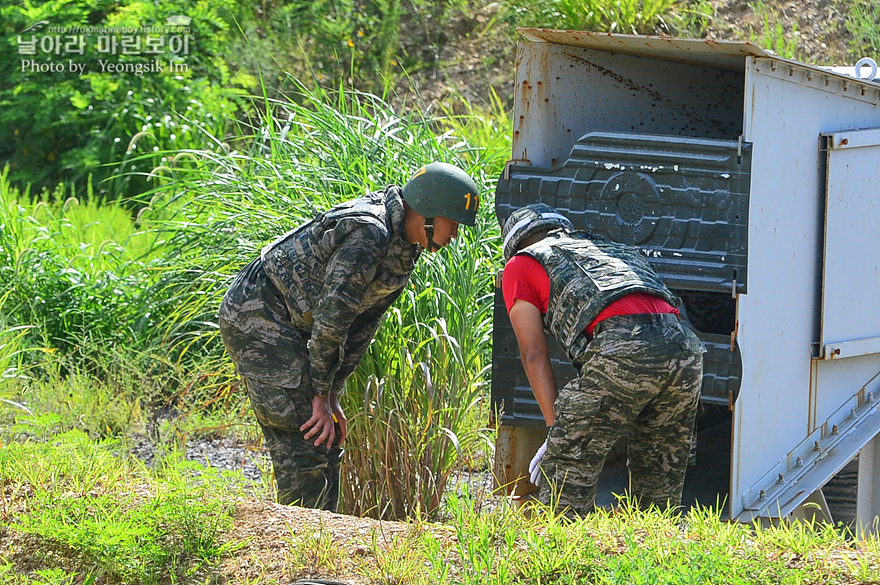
point(639, 367)
point(298, 319)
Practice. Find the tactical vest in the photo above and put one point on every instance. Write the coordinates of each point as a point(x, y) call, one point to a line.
point(296, 263)
point(585, 277)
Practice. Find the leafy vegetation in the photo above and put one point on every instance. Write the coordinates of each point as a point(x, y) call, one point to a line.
point(71, 123)
point(863, 21)
point(621, 16)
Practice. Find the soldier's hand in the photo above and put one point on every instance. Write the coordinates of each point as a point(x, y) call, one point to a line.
point(535, 465)
point(341, 419)
point(321, 423)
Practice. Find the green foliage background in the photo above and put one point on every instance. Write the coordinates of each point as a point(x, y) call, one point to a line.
point(64, 127)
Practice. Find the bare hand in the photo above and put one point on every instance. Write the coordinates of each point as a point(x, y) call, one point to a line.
point(321, 423)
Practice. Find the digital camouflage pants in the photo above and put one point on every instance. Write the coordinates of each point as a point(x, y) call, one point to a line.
point(305, 475)
point(272, 357)
point(640, 375)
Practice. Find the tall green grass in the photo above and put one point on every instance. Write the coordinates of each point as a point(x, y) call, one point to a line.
point(619, 16)
point(11, 348)
point(75, 270)
point(419, 397)
point(863, 21)
point(414, 400)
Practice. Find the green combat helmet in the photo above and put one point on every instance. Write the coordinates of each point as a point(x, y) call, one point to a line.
point(442, 190)
point(529, 220)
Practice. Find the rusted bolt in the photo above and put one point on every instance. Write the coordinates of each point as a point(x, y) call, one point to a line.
point(780, 479)
point(762, 495)
point(799, 462)
point(816, 446)
point(834, 429)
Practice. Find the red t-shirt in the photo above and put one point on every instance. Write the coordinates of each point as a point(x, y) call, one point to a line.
point(525, 278)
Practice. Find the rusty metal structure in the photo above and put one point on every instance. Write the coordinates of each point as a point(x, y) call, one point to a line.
point(751, 183)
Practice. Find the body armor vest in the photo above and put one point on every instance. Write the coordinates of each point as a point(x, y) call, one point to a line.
point(296, 262)
point(585, 277)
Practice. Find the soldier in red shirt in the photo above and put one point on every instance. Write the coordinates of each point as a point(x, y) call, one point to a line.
point(639, 367)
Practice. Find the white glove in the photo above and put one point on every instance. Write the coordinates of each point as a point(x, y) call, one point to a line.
point(535, 465)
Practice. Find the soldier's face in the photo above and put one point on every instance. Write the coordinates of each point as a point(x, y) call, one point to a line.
point(445, 230)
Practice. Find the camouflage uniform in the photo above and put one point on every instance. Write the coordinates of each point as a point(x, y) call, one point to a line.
point(641, 375)
point(298, 320)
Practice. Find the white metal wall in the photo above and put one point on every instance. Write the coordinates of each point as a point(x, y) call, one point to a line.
point(783, 397)
point(564, 92)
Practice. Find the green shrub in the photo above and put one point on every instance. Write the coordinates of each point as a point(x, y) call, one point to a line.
point(67, 270)
point(67, 125)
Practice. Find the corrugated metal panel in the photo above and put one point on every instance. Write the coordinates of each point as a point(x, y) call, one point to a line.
point(683, 201)
point(730, 55)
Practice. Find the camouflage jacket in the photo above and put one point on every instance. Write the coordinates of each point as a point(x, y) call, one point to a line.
point(586, 275)
point(337, 275)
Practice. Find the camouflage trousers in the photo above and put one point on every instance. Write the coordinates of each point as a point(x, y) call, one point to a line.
point(272, 357)
point(305, 475)
point(641, 376)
